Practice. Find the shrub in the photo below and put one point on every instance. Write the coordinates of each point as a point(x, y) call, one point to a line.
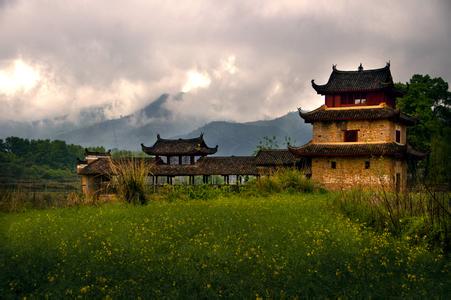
point(189, 192)
point(130, 179)
point(286, 180)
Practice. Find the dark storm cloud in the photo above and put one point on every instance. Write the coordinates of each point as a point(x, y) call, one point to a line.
point(237, 60)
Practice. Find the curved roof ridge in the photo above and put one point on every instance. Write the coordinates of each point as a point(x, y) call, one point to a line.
point(356, 80)
point(387, 66)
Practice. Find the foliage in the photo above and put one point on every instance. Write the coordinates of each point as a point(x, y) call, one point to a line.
point(420, 217)
point(116, 153)
point(285, 180)
point(429, 100)
point(284, 246)
point(271, 142)
point(191, 192)
point(23, 158)
point(130, 179)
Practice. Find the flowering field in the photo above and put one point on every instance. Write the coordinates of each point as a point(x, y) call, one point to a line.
point(276, 246)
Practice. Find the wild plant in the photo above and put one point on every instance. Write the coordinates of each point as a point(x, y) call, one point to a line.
point(130, 179)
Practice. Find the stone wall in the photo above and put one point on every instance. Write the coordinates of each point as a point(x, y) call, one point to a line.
point(351, 173)
point(382, 131)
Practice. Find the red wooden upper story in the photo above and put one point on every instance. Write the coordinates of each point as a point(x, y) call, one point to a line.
point(361, 98)
point(361, 87)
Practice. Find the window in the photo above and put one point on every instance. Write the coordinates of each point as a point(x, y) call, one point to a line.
point(398, 136)
point(353, 98)
point(367, 164)
point(173, 160)
point(186, 160)
point(359, 101)
point(351, 135)
point(333, 164)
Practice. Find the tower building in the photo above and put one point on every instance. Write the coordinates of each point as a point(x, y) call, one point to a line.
point(359, 137)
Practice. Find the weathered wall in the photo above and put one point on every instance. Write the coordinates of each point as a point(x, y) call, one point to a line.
point(351, 173)
point(91, 184)
point(382, 131)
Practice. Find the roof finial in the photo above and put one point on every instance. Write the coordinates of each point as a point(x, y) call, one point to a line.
point(388, 63)
point(360, 67)
point(334, 67)
point(158, 136)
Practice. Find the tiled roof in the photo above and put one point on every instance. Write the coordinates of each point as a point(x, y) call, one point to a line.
point(227, 165)
point(356, 81)
point(194, 146)
point(102, 165)
point(351, 149)
point(99, 166)
point(275, 157)
point(231, 165)
point(376, 113)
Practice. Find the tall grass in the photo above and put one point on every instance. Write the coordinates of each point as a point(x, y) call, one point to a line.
point(130, 179)
point(421, 217)
point(20, 200)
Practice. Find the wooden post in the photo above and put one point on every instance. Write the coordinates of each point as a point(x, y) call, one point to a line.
point(180, 159)
point(191, 160)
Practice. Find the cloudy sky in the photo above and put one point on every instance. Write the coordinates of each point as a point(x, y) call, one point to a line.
point(234, 60)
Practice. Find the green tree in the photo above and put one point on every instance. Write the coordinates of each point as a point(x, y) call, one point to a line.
point(429, 100)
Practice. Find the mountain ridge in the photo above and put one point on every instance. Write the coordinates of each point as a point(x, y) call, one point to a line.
point(142, 126)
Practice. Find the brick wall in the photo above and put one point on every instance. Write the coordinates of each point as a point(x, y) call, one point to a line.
point(351, 173)
point(369, 131)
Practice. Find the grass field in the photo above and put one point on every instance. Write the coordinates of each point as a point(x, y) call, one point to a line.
point(277, 246)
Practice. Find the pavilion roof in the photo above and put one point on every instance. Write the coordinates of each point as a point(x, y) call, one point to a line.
point(324, 114)
point(174, 147)
point(356, 81)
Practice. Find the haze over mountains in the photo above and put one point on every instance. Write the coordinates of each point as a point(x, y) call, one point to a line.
point(93, 129)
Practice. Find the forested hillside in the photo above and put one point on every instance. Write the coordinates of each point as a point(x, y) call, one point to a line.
point(45, 159)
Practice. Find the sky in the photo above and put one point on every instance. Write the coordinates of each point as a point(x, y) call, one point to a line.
point(230, 60)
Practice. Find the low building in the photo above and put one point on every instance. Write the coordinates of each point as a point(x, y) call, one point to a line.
point(185, 161)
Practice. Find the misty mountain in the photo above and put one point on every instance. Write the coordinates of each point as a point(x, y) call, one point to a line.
point(243, 138)
point(128, 132)
point(51, 127)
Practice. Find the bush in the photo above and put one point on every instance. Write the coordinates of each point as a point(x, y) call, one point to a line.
point(189, 192)
point(130, 179)
point(286, 180)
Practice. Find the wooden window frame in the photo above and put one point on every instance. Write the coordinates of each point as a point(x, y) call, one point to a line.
point(350, 136)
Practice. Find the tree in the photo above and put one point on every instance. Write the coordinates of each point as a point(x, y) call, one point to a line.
point(429, 100)
point(270, 142)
